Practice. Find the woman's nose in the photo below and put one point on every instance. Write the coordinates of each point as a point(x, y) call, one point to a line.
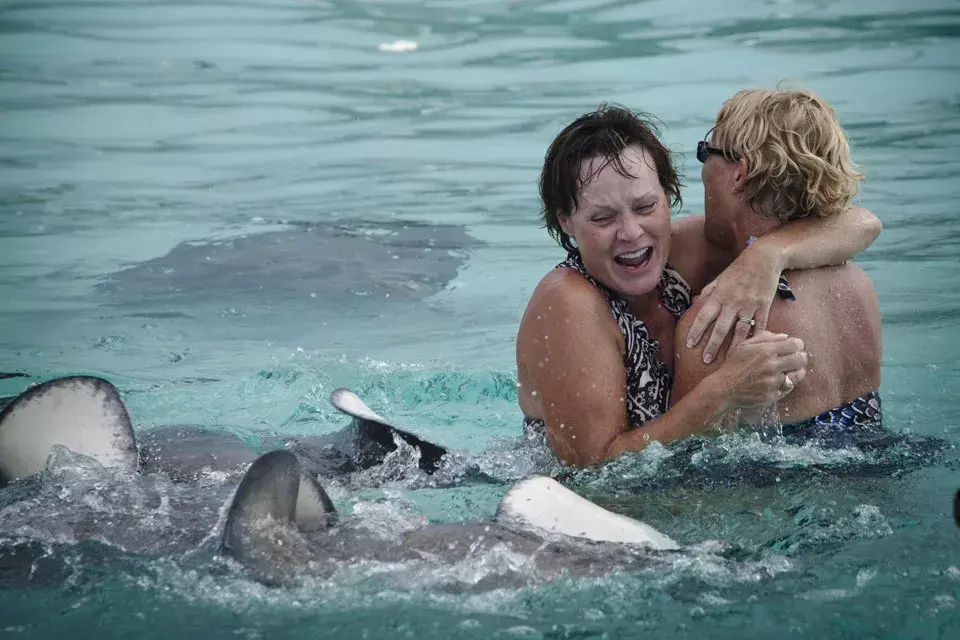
point(630, 229)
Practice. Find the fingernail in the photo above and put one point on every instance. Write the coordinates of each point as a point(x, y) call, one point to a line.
point(707, 358)
point(690, 343)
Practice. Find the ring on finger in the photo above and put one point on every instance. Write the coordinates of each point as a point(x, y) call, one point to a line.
point(749, 321)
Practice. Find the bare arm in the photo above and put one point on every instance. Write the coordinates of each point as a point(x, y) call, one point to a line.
point(752, 376)
point(692, 414)
point(569, 349)
point(691, 371)
point(746, 288)
point(821, 242)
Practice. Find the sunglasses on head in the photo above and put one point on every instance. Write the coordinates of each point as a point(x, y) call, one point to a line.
point(704, 150)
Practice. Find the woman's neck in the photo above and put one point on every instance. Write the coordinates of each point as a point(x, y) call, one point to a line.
point(640, 306)
point(749, 225)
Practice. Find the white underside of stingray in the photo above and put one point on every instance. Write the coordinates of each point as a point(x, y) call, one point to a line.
point(542, 503)
point(83, 414)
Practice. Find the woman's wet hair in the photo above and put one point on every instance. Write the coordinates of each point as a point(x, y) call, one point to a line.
point(603, 133)
point(796, 153)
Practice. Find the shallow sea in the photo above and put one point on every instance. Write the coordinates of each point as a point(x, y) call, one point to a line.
point(188, 193)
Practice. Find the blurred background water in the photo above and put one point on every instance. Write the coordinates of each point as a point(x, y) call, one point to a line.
point(229, 208)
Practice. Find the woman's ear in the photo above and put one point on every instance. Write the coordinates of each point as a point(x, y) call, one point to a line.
point(565, 225)
point(740, 174)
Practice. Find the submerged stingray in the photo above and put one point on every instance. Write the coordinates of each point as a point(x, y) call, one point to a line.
point(392, 261)
point(282, 528)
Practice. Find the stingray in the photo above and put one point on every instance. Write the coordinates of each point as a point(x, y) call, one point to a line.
point(75, 473)
point(389, 262)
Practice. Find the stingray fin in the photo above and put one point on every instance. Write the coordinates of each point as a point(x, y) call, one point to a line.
point(539, 502)
point(274, 502)
point(375, 430)
point(82, 413)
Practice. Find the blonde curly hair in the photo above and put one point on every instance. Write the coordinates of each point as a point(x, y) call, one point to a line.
point(797, 155)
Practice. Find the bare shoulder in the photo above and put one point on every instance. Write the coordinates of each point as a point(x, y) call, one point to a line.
point(568, 322)
point(564, 297)
point(568, 335)
point(858, 279)
point(820, 293)
point(839, 280)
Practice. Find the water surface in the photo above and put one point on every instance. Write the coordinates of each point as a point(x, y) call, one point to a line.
point(144, 136)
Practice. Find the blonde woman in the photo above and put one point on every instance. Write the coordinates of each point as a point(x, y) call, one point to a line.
point(775, 157)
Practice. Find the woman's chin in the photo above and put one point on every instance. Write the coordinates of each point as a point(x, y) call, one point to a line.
point(634, 287)
point(636, 281)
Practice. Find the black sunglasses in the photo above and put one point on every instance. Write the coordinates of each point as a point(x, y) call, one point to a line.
point(704, 150)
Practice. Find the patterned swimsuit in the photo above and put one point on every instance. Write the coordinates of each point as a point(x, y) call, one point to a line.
point(648, 379)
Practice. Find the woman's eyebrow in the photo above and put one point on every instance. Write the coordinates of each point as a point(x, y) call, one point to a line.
point(601, 208)
point(648, 199)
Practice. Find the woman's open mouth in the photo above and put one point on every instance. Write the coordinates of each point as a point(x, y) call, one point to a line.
point(634, 260)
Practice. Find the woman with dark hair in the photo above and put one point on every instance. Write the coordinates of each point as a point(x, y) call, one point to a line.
point(595, 348)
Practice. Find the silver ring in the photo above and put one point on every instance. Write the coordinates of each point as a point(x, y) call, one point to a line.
point(749, 321)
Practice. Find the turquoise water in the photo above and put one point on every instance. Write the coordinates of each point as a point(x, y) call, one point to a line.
point(129, 128)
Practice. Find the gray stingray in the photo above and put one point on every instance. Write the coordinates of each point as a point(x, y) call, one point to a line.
point(281, 535)
point(87, 415)
point(345, 263)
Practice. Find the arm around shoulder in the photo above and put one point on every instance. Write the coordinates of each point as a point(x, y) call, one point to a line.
point(822, 242)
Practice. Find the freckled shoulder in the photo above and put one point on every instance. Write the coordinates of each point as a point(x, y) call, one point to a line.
point(564, 293)
point(567, 306)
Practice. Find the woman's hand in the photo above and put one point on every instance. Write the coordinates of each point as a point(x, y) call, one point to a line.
point(745, 289)
point(763, 369)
